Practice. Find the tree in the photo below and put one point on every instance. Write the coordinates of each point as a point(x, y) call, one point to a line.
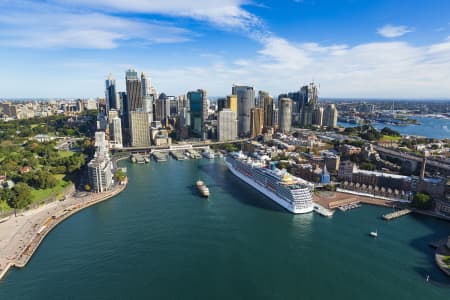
point(119, 175)
point(21, 196)
point(422, 201)
point(87, 187)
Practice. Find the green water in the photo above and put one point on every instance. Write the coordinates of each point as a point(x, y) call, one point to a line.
point(160, 240)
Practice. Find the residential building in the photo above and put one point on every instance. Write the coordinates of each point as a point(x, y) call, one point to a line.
point(285, 114)
point(226, 125)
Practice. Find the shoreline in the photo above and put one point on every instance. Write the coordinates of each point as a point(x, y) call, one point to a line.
point(18, 253)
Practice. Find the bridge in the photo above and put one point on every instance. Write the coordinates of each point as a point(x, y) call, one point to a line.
point(442, 166)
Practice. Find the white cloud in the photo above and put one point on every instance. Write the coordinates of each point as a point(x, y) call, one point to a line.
point(391, 31)
point(44, 26)
point(225, 13)
point(388, 69)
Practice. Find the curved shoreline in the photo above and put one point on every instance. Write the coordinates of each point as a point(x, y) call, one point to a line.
point(21, 259)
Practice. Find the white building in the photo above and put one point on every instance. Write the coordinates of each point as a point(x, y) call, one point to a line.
point(115, 133)
point(100, 167)
point(226, 125)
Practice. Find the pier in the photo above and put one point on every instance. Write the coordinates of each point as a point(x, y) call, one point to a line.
point(397, 214)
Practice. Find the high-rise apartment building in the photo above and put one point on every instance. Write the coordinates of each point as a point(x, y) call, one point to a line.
point(226, 125)
point(245, 102)
point(317, 117)
point(285, 114)
point(139, 129)
point(330, 115)
point(100, 167)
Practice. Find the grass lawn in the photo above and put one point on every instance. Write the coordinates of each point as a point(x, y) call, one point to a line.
point(4, 206)
point(388, 138)
point(447, 260)
point(39, 195)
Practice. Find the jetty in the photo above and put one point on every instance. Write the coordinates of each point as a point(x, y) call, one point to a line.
point(397, 214)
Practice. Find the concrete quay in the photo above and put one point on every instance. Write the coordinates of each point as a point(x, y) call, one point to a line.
point(23, 235)
point(397, 214)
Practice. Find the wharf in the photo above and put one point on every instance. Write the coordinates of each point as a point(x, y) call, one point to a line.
point(397, 214)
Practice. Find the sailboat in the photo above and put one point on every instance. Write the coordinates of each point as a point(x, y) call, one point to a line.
point(374, 233)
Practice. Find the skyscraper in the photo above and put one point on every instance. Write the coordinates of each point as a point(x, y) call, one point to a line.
point(139, 129)
point(245, 102)
point(285, 112)
point(310, 97)
point(115, 132)
point(148, 107)
point(232, 103)
point(146, 85)
point(134, 91)
point(317, 117)
point(198, 108)
point(226, 125)
point(330, 115)
point(256, 121)
point(266, 103)
point(110, 93)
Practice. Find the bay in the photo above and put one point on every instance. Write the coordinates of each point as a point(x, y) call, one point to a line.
point(429, 127)
point(160, 240)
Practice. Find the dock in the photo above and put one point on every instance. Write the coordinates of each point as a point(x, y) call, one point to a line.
point(397, 214)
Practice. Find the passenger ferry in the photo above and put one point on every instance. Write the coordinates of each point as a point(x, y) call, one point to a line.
point(292, 193)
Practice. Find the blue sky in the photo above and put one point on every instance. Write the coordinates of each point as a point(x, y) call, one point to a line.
point(352, 48)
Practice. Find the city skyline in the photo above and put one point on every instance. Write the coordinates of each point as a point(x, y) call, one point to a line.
point(68, 48)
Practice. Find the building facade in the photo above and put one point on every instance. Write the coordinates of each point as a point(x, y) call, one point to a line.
point(285, 114)
point(226, 125)
point(245, 102)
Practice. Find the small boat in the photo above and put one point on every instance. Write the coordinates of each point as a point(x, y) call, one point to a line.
point(374, 233)
point(208, 154)
point(202, 188)
point(323, 211)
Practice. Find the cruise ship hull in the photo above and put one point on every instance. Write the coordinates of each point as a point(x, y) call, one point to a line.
point(274, 197)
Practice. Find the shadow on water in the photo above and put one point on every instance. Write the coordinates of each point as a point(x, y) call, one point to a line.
point(421, 244)
point(238, 189)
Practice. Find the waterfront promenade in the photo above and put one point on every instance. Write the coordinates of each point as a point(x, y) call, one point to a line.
point(20, 236)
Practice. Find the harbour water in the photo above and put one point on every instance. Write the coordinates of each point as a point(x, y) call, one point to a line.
point(430, 127)
point(160, 240)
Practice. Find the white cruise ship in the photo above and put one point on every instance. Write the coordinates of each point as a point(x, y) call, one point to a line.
point(290, 192)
